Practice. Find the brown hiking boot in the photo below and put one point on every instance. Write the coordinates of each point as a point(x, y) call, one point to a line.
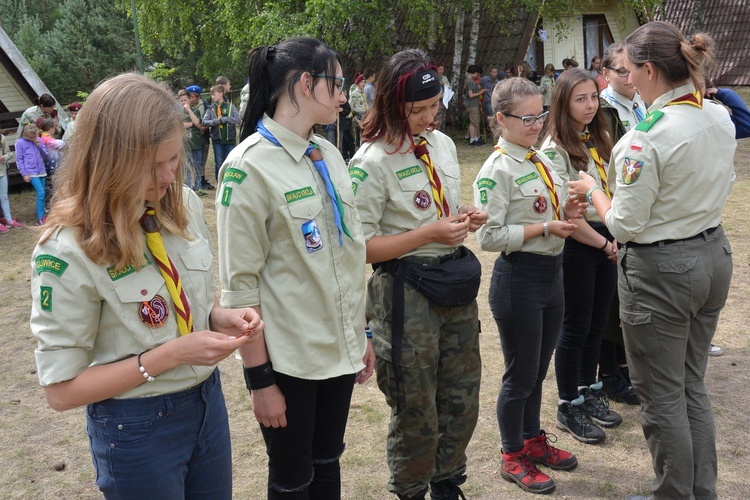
point(540, 451)
point(518, 468)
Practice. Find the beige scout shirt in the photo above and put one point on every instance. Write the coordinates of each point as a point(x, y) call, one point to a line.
point(673, 171)
point(393, 190)
point(279, 249)
point(6, 154)
point(511, 191)
point(84, 314)
point(561, 160)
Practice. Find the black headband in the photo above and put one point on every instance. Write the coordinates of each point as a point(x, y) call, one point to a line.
point(422, 85)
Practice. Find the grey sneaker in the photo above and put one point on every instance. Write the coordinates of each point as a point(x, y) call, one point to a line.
point(596, 405)
point(715, 350)
point(572, 418)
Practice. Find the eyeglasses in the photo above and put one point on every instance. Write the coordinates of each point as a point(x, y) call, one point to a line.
point(529, 121)
point(340, 80)
point(621, 72)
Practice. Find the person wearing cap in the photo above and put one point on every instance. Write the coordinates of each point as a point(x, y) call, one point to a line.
point(70, 123)
point(406, 180)
point(196, 101)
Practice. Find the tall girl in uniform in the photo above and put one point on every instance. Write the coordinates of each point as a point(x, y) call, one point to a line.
point(578, 141)
point(523, 195)
point(123, 302)
point(291, 246)
point(675, 264)
point(406, 178)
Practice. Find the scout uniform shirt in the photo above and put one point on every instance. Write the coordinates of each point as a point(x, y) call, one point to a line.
point(673, 171)
point(509, 188)
point(279, 250)
point(561, 160)
point(393, 190)
point(631, 111)
point(85, 314)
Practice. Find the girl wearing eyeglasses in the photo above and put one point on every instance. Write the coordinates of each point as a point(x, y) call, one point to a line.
point(578, 141)
point(523, 194)
point(291, 246)
point(620, 93)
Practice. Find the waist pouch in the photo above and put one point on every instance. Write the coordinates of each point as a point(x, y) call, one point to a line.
point(451, 283)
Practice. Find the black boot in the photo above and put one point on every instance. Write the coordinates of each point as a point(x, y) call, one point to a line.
point(448, 489)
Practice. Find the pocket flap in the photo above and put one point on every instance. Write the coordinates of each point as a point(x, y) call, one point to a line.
point(140, 286)
point(636, 317)
point(677, 266)
point(306, 209)
point(197, 257)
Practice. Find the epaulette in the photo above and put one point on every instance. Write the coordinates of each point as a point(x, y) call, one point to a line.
point(649, 121)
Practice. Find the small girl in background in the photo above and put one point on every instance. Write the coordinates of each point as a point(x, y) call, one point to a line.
point(547, 85)
point(30, 153)
point(6, 156)
point(53, 146)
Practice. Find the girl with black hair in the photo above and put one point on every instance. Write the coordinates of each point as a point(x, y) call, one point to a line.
point(291, 246)
point(407, 183)
point(44, 107)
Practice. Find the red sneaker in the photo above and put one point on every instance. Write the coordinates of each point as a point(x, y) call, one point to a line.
point(539, 450)
point(518, 468)
point(3, 229)
point(13, 223)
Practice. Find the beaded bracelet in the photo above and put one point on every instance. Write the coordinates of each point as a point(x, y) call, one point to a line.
point(368, 332)
point(143, 371)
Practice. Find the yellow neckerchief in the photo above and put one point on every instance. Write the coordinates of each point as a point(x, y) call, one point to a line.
point(586, 138)
point(441, 204)
point(546, 178)
point(694, 98)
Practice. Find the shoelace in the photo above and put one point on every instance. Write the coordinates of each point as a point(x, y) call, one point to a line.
point(548, 444)
point(600, 400)
point(580, 416)
point(528, 466)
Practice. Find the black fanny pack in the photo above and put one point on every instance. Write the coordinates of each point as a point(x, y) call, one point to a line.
point(451, 283)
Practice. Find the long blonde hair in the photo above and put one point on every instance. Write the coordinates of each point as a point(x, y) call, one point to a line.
point(101, 183)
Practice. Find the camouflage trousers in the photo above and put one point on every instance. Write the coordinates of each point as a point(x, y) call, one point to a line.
point(435, 408)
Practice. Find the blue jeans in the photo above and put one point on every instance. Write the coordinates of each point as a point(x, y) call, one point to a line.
point(221, 151)
point(526, 300)
point(40, 186)
point(172, 447)
point(4, 202)
point(590, 281)
point(303, 457)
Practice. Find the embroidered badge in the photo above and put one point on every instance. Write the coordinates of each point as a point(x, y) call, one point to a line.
point(484, 182)
point(408, 172)
point(311, 234)
point(636, 146)
point(234, 175)
point(526, 178)
point(116, 274)
point(154, 313)
point(626, 124)
point(631, 170)
point(226, 196)
point(299, 194)
point(357, 173)
point(422, 200)
point(649, 121)
point(483, 196)
point(50, 264)
point(354, 187)
point(540, 204)
point(550, 154)
point(45, 297)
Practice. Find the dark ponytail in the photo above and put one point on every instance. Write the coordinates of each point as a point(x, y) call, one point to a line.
point(45, 100)
point(274, 70)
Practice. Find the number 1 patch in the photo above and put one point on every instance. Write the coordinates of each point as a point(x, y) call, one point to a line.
point(45, 297)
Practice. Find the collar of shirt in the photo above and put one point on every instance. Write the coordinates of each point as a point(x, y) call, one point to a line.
point(291, 142)
point(515, 151)
point(676, 92)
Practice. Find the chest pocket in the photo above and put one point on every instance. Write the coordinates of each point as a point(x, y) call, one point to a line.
point(298, 214)
point(531, 191)
point(146, 308)
point(416, 194)
point(198, 260)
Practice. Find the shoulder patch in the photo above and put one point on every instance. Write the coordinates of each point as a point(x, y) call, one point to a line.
point(45, 298)
point(50, 264)
point(299, 194)
point(233, 175)
point(649, 121)
point(484, 182)
point(550, 154)
point(226, 196)
point(408, 172)
point(526, 178)
point(631, 170)
point(357, 173)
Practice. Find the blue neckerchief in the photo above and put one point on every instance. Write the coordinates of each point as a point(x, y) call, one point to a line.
point(322, 168)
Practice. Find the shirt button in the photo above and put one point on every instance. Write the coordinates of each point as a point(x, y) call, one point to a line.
point(309, 212)
point(203, 262)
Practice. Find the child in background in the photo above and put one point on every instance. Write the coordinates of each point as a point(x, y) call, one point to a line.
point(192, 122)
point(547, 85)
point(30, 153)
point(48, 126)
point(223, 119)
point(6, 156)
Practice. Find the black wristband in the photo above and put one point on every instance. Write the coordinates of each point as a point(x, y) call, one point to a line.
point(259, 377)
point(606, 243)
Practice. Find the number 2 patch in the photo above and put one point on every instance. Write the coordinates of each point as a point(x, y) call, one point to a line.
point(45, 297)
